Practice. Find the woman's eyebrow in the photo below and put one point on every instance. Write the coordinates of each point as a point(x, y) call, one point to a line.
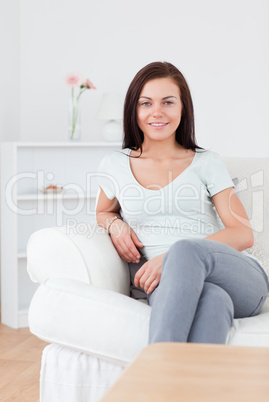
point(170, 97)
point(166, 97)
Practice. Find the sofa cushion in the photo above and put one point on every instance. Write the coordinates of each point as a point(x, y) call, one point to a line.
point(252, 331)
point(110, 325)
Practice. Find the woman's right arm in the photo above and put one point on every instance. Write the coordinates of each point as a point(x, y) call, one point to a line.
point(122, 235)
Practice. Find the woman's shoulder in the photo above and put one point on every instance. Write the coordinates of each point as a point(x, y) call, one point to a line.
point(208, 161)
point(114, 159)
point(213, 172)
point(117, 154)
point(207, 156)
point(207, 153)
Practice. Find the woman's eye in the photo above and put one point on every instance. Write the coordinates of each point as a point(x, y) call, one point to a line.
point(145, 103)
point(168, 103)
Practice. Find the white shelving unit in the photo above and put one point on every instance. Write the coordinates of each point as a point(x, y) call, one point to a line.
point(25, 168)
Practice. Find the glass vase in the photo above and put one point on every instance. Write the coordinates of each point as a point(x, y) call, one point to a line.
point(74, 118)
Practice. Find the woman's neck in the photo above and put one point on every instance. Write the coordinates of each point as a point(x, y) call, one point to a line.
point(162, 149)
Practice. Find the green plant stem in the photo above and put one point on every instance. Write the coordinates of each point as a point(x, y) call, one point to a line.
point(75, 107)
point(74, 112)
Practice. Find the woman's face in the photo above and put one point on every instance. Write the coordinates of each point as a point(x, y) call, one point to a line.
point(159, 109)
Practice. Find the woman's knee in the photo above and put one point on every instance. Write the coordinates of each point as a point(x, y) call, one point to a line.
point(184, 262)
point(184, 250)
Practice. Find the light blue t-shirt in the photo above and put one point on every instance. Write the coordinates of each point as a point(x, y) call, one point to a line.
point(182, 209)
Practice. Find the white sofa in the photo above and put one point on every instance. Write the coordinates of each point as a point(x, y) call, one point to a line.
point(83, 306)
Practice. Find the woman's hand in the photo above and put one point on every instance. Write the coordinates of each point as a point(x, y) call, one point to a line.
point(149, 275)
point(125, 241)
point(122, 235)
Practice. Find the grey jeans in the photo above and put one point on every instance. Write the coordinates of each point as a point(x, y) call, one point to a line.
point(204, 285)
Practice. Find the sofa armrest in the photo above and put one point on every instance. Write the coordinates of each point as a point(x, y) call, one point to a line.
point(89, 257)
point(97, 321)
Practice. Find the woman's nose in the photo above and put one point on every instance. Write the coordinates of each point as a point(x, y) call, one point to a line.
point(157, 110)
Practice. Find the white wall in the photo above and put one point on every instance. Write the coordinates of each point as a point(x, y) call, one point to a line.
point(9, 70)
point(220, 46)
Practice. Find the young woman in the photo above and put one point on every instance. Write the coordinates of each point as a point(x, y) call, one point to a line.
point(165, 198)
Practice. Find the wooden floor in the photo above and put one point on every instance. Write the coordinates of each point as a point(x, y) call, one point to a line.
point(20, 361)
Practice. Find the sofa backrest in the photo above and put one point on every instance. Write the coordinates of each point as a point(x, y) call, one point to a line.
point(252, 175)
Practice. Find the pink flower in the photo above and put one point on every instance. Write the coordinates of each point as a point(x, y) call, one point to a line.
point(73, 79)
point(87, 84)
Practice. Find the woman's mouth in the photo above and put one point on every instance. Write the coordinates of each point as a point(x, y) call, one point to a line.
point(158, 125)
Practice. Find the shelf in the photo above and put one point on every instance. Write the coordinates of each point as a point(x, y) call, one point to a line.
point(22, 254)
point(53, 196)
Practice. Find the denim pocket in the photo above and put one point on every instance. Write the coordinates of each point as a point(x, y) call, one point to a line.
point(259, 307)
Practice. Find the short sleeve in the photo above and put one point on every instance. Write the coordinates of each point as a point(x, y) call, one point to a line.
point(105, 179)
point(216, 176)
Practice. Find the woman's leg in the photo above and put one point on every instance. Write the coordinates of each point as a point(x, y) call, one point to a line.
point(187, 266)
point(213, 317)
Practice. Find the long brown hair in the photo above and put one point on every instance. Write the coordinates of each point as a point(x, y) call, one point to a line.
point(185, 133)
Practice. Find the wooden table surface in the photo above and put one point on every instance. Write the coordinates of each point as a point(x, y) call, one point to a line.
point(194, 372)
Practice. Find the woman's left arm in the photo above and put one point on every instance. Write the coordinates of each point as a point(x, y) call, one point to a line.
point(237, 232)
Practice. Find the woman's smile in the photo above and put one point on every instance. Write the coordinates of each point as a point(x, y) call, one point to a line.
point(158, 125)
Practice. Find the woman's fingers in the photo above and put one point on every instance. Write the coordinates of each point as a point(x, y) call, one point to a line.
point(151, 286)
point(148, 283)
point(144, 277)
point(131, 241)
point(124, 240)
point(139, 275)
point(136, 240)
point(132, 250)
point(149, 275)
point(127, 249)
